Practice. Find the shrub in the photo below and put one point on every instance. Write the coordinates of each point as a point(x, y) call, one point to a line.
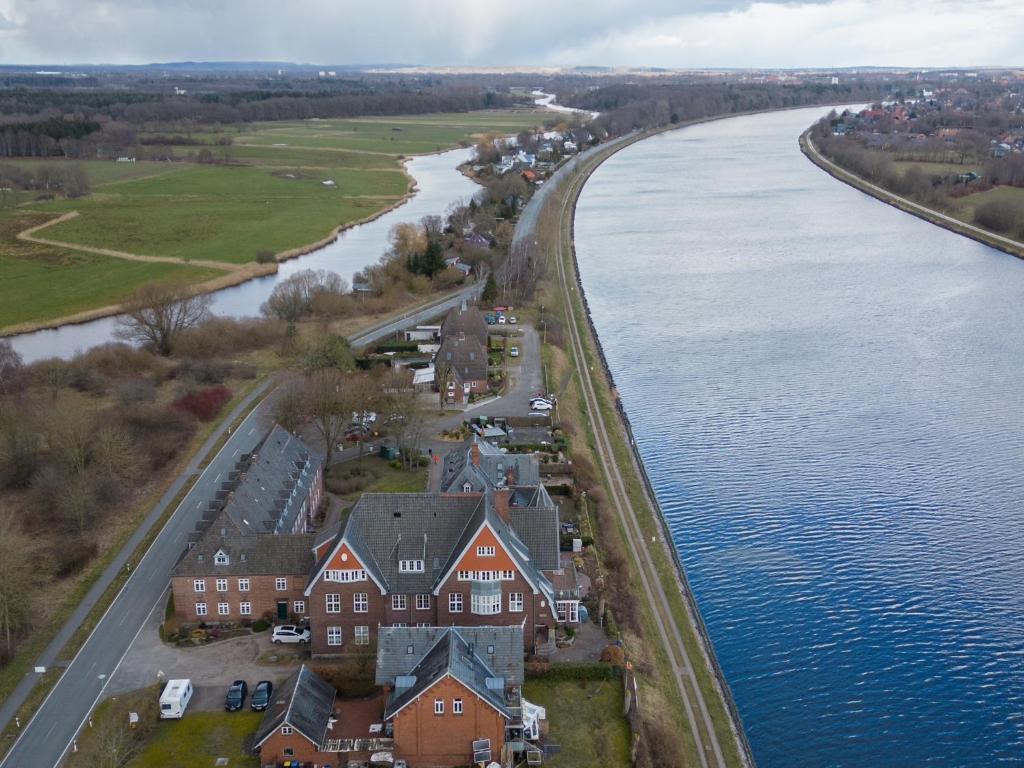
point(575, 670)
point(1001, 216)
point(204, 404)
point(260, 625)
point(265, 257)
point(70, 557)
point(160, 432)
point(135, 391)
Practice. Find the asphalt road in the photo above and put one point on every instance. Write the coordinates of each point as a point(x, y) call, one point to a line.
point(47, 737)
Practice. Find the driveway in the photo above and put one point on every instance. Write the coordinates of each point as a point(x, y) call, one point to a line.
point(212, 668)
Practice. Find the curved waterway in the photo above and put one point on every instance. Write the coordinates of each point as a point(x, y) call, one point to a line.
point(439, 183)
point(825, 392)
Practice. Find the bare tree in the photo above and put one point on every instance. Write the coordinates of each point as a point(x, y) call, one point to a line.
point(290, 409)
point(157, 312)
point(332, 397)
point(16, 580)
point(11, 369)
point(403, 410)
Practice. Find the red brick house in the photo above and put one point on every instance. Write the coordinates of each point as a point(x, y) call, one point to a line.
point(426, 559)
point(461, 362)
point(456, 693)
point(297, 725)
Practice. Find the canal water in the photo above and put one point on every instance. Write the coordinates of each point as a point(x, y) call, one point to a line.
point(825, 394)
point(439, 183)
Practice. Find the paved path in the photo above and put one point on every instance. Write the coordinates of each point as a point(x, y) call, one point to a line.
point(668, 632)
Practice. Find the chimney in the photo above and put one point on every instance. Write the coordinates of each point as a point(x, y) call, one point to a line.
point(474, 453)
point(502, 497)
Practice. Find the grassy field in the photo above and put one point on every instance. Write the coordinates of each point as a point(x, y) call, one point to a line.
point(198, 739)
point(267, 198)
point(585, 719)
point(372, 474)
point(38, 282)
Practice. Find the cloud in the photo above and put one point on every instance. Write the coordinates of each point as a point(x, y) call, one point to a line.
point(694, 33)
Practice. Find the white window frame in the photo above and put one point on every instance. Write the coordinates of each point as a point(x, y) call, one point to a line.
point(332, 602)
point(221, 559)
point(200, 609)
point(199, 585)
point(362, 634)
point(281, 584)
point(438, 706)
point(486, 551)
point(423, 602)
point(515, 602)
point(243, 585)
point(456, 706)
point(223, 609)
point(455, 602)
point(399, 603)
point(222, 585)
point(334, 637)
point(360, 602)
point(245, 608)
point(352, 574)
point(485, 605)
point(299, 607)
point(286, 730)
point(410, 566)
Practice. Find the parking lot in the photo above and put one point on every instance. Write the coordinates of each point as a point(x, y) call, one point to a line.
point(212, 667)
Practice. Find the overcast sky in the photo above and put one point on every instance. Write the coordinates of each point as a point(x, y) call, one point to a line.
point(684, 33)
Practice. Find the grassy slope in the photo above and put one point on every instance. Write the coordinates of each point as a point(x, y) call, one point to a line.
point(200, 737)
point(38, 282)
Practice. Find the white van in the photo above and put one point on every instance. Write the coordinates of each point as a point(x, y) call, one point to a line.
point(175, 698)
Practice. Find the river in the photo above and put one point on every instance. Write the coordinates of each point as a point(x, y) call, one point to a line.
point(822, 389)
point(439, 183)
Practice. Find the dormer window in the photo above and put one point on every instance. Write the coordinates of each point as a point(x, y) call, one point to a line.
point(410, 566)
point(221, 558)
point(467, 487)
point(485, 551)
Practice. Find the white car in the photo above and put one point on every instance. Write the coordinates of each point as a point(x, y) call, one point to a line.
point(512, 321)
point(513, 351)
point(501, 320)
point(289, 633)
point(541, 405)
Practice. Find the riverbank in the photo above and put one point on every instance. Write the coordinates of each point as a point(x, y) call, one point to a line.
point(688, 679)
point(984, 236)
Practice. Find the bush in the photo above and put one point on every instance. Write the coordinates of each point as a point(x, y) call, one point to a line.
point(260, 625)
point(160, 432)
point(71, 557)
point(204, 404)
point(574, 670)
point(135, 391)
point(265, 257)
point(1002, 216)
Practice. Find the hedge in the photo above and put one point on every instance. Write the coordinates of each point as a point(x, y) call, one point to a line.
point(575, 670)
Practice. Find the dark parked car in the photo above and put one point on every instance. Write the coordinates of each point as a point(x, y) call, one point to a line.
point(235, 699)
point(261, 695)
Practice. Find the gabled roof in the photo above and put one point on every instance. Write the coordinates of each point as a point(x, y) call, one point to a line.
point(269, 494)
point(465, 320)
point(305, 701)
point(495, 469)
point(385, 528)
point(465, 356)
point(249, 554)
point(500, 648)
point(450, 656)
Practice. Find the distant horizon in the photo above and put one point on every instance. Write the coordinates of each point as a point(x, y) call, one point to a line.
point(631, 34)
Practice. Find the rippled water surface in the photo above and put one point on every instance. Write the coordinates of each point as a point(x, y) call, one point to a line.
point(826, 393)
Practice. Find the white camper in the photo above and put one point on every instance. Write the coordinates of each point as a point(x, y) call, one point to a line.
point(175, 698)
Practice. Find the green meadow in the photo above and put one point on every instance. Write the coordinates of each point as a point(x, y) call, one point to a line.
point(269, 195)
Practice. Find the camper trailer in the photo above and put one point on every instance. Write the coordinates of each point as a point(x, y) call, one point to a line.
point(175, 698)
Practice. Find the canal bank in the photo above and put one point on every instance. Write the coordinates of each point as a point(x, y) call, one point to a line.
point(984, 236)
point(686, 670)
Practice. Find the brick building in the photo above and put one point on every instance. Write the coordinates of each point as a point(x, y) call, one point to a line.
point(456, 693)
point(460, 365)
point(297, 725)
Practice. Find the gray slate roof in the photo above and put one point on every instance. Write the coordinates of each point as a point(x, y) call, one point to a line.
point(467, 357)
point(270, 492)
point(469, 321)
point(249, 554)
point(494, 470)
point(305, 701)
point(384, 528)
point(450, 655)
point(501, 648)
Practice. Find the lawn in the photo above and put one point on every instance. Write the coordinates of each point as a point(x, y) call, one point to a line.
point(969, 203)
point(198, 739)
point(585, 718)
point(372, 474)
point(99, 172)
point(40, 282)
